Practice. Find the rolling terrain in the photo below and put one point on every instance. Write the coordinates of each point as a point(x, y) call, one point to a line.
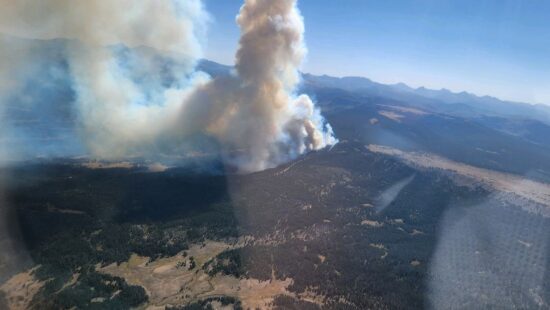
point(430, 200)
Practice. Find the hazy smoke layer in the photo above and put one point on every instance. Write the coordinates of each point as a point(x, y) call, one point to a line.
point(172, 25)
point(137, 92)
point(7, 86)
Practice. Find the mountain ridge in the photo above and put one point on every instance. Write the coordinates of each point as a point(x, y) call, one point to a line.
point(400, 91)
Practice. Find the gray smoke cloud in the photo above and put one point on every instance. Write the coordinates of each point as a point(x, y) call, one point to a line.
point(137, 90)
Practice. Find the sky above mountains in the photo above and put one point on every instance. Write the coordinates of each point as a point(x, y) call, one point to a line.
point(488, 47)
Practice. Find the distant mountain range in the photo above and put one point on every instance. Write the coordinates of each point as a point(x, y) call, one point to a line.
point(480, 131)
point(443, 100)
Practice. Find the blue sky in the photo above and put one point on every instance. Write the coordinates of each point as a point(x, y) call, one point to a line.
point(488, 47)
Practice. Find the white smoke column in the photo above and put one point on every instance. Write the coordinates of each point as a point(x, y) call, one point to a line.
point(270, 124)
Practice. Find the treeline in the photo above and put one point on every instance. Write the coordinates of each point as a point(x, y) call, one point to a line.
point(207, 304)
point(91, 291)
point(74, 218)
point(227, 263)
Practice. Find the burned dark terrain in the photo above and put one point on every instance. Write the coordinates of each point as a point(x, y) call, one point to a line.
point(408, 211)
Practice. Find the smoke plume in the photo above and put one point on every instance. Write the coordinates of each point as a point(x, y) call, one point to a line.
point(132, 65)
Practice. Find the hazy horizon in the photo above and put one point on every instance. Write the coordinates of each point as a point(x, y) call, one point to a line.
point(487, 48)
point(458, 91)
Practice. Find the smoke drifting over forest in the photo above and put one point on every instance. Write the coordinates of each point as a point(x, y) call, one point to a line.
point(132, 68)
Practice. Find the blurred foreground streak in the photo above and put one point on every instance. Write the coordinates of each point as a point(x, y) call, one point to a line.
point(490, 254)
